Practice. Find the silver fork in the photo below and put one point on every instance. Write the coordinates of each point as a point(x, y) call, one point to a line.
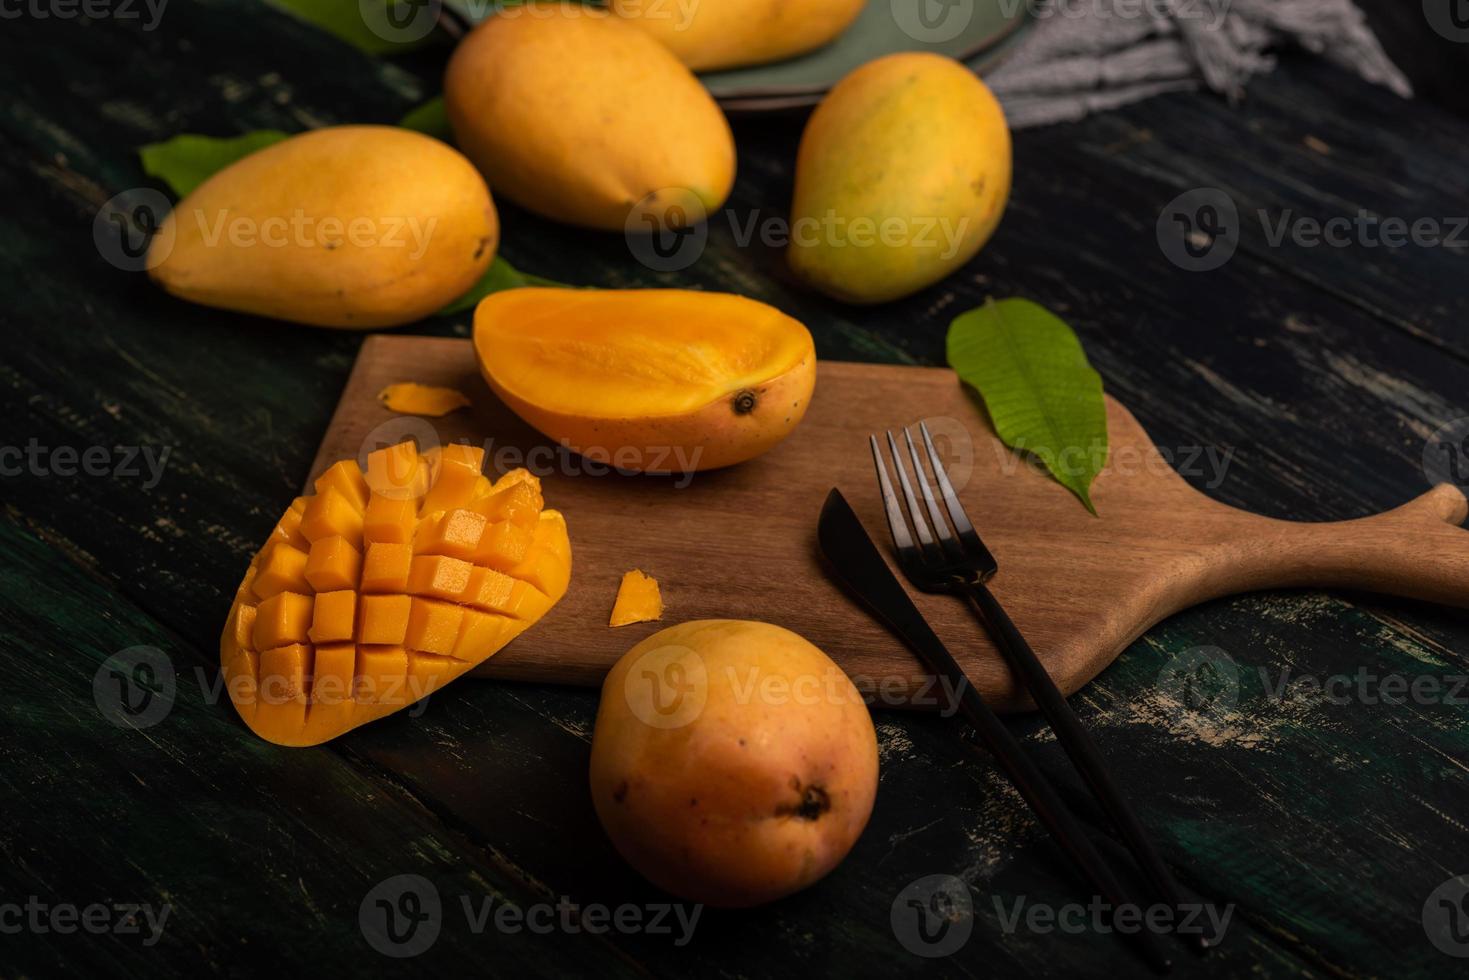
point(957, 562)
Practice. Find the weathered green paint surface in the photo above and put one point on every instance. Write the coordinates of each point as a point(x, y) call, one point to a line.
point(1319, 371)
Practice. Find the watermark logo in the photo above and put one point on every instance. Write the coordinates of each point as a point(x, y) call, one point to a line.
point(1199, 230)
point(1446, 917)
point(402, 916)
point(1446, 455)
point(400, 21)
point(667, 687)
point(955, 448)
point(1201, 681)
point(932, 21)
point(126, 225)
point(1450, 18)
point(398, 429)
point(668, 230)
point(933, 916)
point(135, 688)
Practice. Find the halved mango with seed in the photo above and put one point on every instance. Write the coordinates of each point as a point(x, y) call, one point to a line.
point(383, 586)
point(655, 380)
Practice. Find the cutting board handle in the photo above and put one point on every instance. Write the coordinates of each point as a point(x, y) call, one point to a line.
point(1417, 551)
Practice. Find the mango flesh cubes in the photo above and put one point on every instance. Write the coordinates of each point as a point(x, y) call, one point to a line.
point(383, 586)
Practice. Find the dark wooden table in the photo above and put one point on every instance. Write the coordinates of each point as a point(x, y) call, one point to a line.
point(1325, 821)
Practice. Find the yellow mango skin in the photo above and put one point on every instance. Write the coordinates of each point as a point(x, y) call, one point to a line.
point(576, 115)
point(708, 35)
point(652, 380)
point(913, 140)
point(733, 762)
point(350, 226)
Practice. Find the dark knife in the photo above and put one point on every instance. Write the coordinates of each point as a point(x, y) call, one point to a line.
point(855, 561)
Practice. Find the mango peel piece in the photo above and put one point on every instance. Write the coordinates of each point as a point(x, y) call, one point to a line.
point(650, 380)
point(351, 628)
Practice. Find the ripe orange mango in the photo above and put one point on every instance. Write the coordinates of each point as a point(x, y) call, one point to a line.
point(901, 178)
point(385, 585)
point(652, 380)
point(714, 34)
point(575, 114)
point(733, 762)
point(347, 226)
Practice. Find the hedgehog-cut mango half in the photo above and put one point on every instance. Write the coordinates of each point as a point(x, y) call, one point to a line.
point(385, 585)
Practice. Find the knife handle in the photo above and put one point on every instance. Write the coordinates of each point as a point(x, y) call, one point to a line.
point(1059, 821)
point(1077, 743)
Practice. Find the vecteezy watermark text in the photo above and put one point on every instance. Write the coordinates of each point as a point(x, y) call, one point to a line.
point(137, 688)
point(119, 462)
point(403, 916)
point(97, 919)
point(1207, 681)
point(1074, 918)
point(679, 462)
point(668, 230)
point(668, 687)
point(90, 9)
point(132, 231)
point(938, 21)
point(1201, 229)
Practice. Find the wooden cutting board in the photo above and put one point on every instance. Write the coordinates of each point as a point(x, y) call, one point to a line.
point(741, 542)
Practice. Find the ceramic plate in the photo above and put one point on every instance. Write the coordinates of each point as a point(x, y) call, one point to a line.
point(979, 32)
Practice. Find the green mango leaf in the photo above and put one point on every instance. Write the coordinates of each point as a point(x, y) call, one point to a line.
point(500, 275)
point(382, 29)
point(1042, 394)
point(429, 119)
point(186, 161)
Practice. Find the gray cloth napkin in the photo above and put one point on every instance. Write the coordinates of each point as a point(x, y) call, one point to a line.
point(1084, 56)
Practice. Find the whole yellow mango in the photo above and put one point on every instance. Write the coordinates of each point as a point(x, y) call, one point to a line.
point(350, 226)
point(714, 34)
point(654, 380)
point(732, 762)
point(902, 176)
point(576, 115)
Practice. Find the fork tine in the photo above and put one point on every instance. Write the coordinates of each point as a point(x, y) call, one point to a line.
point(966, 531)
point(940, 527)
point(919, 524)
point(897, 524)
